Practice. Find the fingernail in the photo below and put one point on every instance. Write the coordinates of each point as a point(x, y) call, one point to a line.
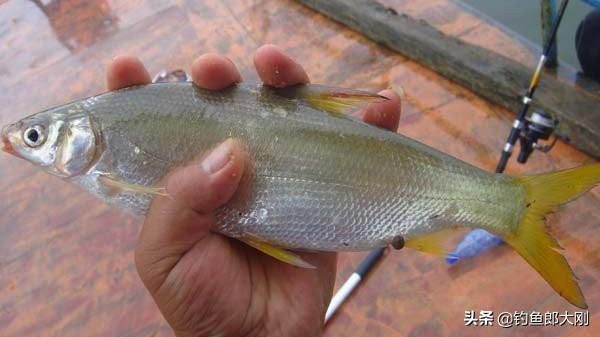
point(218, 158)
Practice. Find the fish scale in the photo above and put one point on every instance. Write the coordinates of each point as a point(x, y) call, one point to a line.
point(315, 179)
point(374, 209)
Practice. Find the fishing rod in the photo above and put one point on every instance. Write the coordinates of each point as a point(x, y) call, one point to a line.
point(528, 130)
point(528, 141)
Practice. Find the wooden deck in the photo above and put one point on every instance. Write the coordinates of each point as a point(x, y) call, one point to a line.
point(66, 260)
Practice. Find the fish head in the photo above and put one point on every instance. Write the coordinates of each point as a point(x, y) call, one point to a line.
point(61, 140)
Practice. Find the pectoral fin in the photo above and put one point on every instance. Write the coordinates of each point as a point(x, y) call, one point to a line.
point(117, 186)
point(276, 252)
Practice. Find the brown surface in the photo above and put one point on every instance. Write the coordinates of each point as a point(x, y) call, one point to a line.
point(66, 263)
point(491, 75)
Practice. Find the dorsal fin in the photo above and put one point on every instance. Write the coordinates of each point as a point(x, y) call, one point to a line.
point(336, 101)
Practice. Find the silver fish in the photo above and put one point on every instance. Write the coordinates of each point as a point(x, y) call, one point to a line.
point(319, 180)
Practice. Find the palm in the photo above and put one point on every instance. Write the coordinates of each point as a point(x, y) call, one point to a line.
point(209, 285)
point(261, 293)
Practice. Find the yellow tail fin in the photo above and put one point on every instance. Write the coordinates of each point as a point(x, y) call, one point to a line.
point(534, 243)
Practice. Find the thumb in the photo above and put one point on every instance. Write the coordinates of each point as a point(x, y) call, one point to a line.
point(175, 223)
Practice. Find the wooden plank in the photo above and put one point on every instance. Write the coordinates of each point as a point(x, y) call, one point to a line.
point(497, 78)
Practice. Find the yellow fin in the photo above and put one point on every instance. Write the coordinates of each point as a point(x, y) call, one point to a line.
point(531, 240)
point(276, 252)
point(336, 101)
point(432, 243)
point(118, 186)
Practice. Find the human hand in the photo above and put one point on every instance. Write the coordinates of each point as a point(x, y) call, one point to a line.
point(206, 284)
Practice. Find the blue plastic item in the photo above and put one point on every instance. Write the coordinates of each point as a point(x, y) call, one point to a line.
point(593, 3)
point(475, 242)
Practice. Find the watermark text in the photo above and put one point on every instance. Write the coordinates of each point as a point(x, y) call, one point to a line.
point(509, 319)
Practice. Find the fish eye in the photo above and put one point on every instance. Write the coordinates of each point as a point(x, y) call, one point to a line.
point(34, 136)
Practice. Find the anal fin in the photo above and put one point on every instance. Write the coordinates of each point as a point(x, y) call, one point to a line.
point(276, 252)
point(432, 243)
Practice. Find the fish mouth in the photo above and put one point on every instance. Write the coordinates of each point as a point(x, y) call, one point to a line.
point(6, 146)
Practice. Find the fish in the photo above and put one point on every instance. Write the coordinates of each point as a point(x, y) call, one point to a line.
point(317, 179)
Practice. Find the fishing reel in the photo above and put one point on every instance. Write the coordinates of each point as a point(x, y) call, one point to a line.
point(540, 125)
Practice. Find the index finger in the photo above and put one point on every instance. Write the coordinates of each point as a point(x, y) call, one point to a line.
point(125, 71)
